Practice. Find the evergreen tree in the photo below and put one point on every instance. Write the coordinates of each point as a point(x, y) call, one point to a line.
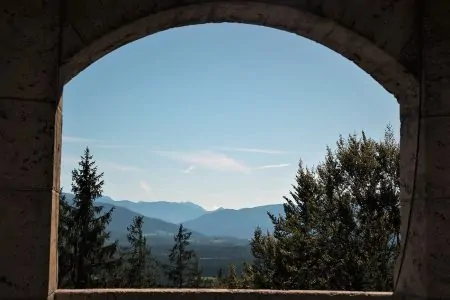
point(86, 260)
point(232, 281)
point(247, 276)
point(340, 228)
point(219, 281)
point(66, 239)
point(180, 258)
point(138, 273)
point(220, 274)
point(195, 273)
point(264, 248)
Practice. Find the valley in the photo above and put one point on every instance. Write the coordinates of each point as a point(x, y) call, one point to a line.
point(219, 237)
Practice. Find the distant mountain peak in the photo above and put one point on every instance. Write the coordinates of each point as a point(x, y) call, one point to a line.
point(190, 203)
point(239, 223)
point(217, 209)
point(173, 212)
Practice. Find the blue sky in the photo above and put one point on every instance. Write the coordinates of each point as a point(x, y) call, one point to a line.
point(216, 114)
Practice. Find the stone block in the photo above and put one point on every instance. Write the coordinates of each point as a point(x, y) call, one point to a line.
point(438, 247)
point(434, 175)
point(29, 58)
point(30, 139)
point(28, 229)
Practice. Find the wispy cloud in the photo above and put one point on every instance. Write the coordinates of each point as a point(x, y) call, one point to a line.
point(112, 146)
point(208, 160)
point(71, 161)
point(73, 139)
point(189, 170)
point(96, 143)
point(254, 150)
point(120, 167)
point(144, 185)
point(272, 166)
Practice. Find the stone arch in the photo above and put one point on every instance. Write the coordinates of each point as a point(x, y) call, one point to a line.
point(79, 52)
point(381, 37)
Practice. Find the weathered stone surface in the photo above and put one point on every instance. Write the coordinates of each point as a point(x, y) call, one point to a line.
point(438, 243)
point(186, 294)
point(426, 265)
point(355, 29)
point(436, 58)
point(45, 43)
point(30, 147)
point(435, 152)
point(28, 130)
point(434, 161)
point(426, 262)
point(388, 23)
point(28, 239)
point(30, 49)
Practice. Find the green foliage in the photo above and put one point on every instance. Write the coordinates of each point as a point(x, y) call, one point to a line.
point(341, 225)
point(180, 259)
point(195, 274)
point(267, 264)
point(232, 281)
point(66, 240)
point(139, 263)
point(220, 282)
point(86, 260)
point(220, 274)
point(247, 276)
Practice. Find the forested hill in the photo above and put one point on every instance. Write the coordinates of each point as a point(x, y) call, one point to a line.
point(240, 223)
point(159, 232)
point(173, 212)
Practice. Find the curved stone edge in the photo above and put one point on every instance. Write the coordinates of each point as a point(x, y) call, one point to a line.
point(376, 62)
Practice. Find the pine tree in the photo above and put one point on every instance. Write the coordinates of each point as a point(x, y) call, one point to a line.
point(138, 273)
point(220, 274)
point(247, 276)
point(295, 236)
point(219, 281)
point(262, 276)
point(264, 248)
point(180, 258)
point(195, 273)
point(91, 258)
point(66, 238)
point(232, 281)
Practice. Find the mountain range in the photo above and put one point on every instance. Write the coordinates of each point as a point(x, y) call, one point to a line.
point(162, 218)
point(173, 212)
point(239, 223)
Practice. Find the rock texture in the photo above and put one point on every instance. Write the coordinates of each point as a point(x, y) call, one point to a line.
point(425, 139)
point(164, 294)
point(403, 44)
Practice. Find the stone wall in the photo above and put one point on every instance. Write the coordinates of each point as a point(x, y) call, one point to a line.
point(167, 294)
point(403, 44)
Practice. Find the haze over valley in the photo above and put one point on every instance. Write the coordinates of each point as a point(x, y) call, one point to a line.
point(219, 237)
point(161, 220)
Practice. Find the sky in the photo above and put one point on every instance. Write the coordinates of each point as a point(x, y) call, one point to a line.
point(216, 114)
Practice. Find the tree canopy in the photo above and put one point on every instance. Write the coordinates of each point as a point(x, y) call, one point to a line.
point(341, 224)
